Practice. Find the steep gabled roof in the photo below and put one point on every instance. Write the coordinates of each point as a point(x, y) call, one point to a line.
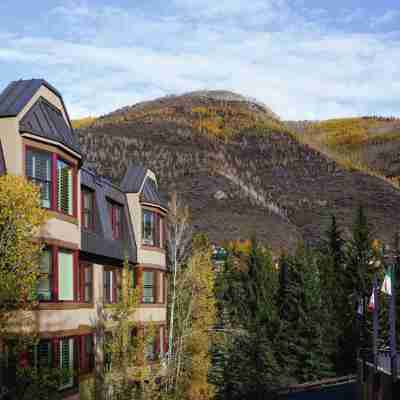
point(45, 120)
point(3, 169)
point(18, 93)
point(150, 194)
point(133, 179)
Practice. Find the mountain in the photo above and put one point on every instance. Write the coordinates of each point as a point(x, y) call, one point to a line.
point(240, 168)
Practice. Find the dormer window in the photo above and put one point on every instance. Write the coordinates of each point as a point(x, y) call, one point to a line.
point(87, 209)
point(115, 217)
point(55, 177)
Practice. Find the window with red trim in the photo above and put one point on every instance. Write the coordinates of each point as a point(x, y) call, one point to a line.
point(87, 209)
point(86, 353)
point(59, 273)
point(85, 283)
point(115, 217)
point(152, 229)
point(56, 179)
point(111, 285)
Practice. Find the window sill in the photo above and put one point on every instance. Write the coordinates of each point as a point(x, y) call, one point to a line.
point(63, 306)
point(153, 248)
point(152, 305)
point(63, 217)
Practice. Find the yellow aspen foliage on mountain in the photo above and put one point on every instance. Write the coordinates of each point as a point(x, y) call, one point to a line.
point(21, 218)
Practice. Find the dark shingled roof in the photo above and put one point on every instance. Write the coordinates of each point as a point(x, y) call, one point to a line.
point(45, 120)
point(3, 169)
point(100, 241)
point(150, 194)
point(133, 179)
point(18, 93)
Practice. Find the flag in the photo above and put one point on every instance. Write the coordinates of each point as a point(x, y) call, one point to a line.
point(387, 282)
point(371, 304)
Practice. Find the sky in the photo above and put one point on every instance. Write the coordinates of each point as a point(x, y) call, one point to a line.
point(305, 59)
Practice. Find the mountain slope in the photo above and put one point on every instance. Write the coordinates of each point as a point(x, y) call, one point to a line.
point(239, 167)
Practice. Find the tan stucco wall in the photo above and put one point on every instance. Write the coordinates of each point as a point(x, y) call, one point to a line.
point(151, 257)
point(11, 142)
point(152, 314)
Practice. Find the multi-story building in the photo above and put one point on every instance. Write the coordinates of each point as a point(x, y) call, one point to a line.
point(93, 227)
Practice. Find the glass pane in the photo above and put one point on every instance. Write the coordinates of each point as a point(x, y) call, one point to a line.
point(65, 276)
point(45, 262)
point(148, 277)
point(148, 227)
point(44, 288)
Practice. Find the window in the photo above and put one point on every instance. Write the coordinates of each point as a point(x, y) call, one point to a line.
point(58, 270)
point(86, 283)
point(115, 215)
point(41, 355)
point(66, 349)
point(152, 229)
point(38, 170)
point(64, 187)
point(65, 276)
point(87, 209)
point(86, 353)
point(148, 228)
point(148, 287)
point(111, 285)
point(56, 179)
point(45, 278)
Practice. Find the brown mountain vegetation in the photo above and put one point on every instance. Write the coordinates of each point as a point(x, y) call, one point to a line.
point(241, 170)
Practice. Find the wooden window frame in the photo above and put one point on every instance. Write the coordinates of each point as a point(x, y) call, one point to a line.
point(55, 157)
point(82, 284)
point(86, 191)
point(115, 289)
point(86, 360)
point(116, 226)
point(55, 250)
point(158, 229)
point(139, 280)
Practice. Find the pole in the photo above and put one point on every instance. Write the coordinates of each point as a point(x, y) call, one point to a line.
point(392, 319)
point(375, 322)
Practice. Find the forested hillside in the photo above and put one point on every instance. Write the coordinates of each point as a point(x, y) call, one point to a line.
point(241, 170)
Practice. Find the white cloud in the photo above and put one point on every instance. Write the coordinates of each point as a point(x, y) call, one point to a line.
point(389, 17)
point(113, 57)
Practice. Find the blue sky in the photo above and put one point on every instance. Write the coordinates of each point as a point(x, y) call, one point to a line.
point(306, 59)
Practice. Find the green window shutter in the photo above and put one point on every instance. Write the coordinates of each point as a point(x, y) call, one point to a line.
point(67, 362)
point(65, 276)
point(64, 187)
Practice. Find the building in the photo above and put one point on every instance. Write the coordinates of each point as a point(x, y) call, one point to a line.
point(93, 227)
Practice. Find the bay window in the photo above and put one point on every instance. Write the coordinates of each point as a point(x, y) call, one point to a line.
point(56, 179)
point(66, 352)
point(65, 276)
point(86, 351)
point(152, 286)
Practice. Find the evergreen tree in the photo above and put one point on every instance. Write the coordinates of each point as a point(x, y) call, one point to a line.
point(250, 368)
